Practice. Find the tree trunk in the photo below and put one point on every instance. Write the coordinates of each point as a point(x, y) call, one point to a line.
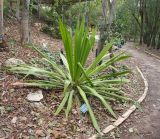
point(107, 25)
point(39, 8)
point(105, 29)
point(25, 33)
point(158, 44)
point(102, 27)
point(1, 17)
point(112, 12)
point(18, 10)
point(101, 43)
point(142, 21)
point(11, 3)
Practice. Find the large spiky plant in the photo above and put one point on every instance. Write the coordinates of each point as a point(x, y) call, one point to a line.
point(77, 80)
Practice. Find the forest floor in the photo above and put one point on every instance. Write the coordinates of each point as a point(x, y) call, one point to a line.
point(22, 119)
point(145, 125)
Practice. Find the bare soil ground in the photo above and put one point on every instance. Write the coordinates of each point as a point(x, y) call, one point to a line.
point(146, 124)
point(21, 119)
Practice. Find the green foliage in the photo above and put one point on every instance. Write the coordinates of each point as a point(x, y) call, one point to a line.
point(151, 35)
point(119, 42)
point(6, 7)
point(139, 19)
point(68, 12)
point(49, 14)
point(54, 56)
point(51, 30)
point(91, 10)
point(78, 81)
point(125, 23)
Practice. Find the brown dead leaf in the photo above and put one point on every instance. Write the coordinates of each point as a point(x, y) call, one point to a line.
point(40, 133)
point(56, 134)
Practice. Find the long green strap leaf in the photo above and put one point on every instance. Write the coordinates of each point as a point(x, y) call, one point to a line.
point(62, 103)
point(114, 81)
point(90, 82)
point(99, 57)
point(94, 121)
point(70, 102)
point(55, 66)
point(106, 64)
point(104, 102)
point(67, 40)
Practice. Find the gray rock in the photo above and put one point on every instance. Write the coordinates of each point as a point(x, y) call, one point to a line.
point(35, 97)
point(39, 106)
point(13, 62)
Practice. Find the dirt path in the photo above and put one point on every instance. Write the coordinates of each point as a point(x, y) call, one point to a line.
point(146, 124)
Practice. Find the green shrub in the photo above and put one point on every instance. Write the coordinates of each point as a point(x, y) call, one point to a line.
point(77, 80)
point(52, 31)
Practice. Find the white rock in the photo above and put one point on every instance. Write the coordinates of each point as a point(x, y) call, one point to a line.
point(13, 62)
point(131, 130)
point(14, 120)
point(35, 97)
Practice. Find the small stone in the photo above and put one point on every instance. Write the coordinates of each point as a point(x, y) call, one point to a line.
point(131, 130)
point(74, 111)
point(14, 120)
point(30, 131)
point(154, 105)
point(35, 97)
point(39, 106)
